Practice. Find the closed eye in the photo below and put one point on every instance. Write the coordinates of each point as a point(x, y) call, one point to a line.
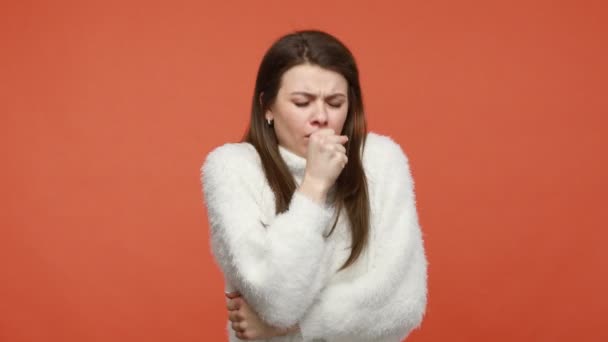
point(304, 104)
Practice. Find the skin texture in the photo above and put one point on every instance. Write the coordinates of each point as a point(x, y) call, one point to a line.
point(310, 108)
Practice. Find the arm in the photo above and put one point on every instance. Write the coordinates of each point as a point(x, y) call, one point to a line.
point(389, 298)
point(247, 324)
point(275, 268)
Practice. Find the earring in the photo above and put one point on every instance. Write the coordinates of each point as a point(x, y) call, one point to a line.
point(269, 121)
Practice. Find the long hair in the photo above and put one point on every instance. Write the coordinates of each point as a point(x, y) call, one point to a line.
point(321, 49)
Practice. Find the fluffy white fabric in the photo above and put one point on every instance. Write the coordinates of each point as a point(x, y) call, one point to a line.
point(288, 272)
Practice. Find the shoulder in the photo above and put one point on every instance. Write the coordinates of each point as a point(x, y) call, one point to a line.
point(232, 153)
point(386, 165)
point(382, 152)
point(231, 159)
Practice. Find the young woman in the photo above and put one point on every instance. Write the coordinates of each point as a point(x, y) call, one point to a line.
point(313, 220)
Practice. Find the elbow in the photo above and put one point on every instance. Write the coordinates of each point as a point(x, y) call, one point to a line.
point(283, 309)
point(417, 310)
point(410, 320)
point(285, 297)
point(279, 300)
point(418, 313)
point(413, 303)
point(276, 304)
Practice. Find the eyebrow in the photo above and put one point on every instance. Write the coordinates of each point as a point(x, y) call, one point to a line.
point(314, 96)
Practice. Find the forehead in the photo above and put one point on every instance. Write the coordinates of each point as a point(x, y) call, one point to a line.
point(314, 79)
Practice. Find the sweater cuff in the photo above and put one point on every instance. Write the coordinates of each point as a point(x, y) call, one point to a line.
point(317, 214)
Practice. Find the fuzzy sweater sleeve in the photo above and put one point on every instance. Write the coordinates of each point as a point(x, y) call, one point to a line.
point(389, 299)
point(274, 266)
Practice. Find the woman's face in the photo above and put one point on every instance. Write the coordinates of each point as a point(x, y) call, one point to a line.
point(309, 98)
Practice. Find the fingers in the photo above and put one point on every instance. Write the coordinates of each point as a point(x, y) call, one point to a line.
point(236, 316)
point(329, 139)
point(334, 144)
point(341, 159)
point(336, 139)
point(239, 326)
point(325, 131)
point(339, 148)
point(233, 304)
point(243, 335)
point(339, 153)
point(329, 135)
point(233, 294)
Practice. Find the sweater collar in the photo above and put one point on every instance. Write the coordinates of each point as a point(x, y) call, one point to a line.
point(295, 163)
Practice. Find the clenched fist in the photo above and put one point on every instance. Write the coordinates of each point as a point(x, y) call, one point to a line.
point(325, 160)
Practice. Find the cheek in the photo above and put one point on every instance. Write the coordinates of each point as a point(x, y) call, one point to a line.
point(292, 124)
point(339, 120)
point(295, 120)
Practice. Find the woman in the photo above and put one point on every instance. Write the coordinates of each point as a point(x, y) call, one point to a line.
point(313, 220)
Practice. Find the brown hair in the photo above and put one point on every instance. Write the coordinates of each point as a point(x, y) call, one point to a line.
point(317, 48)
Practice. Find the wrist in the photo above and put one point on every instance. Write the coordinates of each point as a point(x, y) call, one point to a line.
point(313, 189)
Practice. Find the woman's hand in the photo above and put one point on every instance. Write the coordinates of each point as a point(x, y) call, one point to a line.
point(325, 160)
point(247, 324)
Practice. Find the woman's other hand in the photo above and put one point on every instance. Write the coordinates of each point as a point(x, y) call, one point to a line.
point(246, 323)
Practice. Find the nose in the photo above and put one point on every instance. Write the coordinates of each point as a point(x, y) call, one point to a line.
point(320, 116)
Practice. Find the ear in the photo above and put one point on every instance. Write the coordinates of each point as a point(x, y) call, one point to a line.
point(268, 113)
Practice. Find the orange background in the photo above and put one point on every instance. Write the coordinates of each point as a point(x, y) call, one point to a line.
point(108, 109)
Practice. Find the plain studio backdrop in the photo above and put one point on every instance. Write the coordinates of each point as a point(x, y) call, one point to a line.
point(108, 109)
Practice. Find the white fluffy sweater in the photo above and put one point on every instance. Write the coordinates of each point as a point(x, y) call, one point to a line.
point(287, 271)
